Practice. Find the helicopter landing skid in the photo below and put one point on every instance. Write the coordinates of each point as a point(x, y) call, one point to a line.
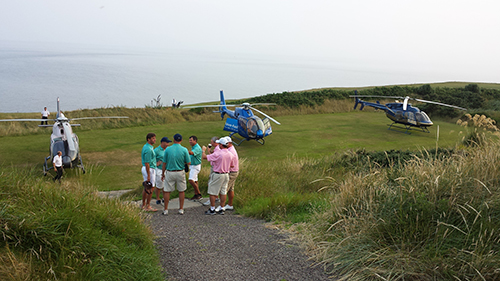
point(45, 167)
point(81, 164)
point(408, 128)
point(238, 140)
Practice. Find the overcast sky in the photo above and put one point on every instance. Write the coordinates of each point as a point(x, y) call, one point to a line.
point(450, 34)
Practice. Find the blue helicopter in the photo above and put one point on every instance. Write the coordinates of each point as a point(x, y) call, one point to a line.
point(402, 113)
point(243, 122)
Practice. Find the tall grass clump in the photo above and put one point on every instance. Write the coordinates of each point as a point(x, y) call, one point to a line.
point(279, 190)
point(66, 232)
point(428, 219)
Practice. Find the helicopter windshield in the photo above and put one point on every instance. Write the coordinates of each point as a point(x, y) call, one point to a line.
point(254, 124)
point(422, 117)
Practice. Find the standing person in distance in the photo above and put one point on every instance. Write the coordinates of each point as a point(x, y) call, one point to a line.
point(195, 167)
point(57, 161)
point(148, 159)
point(174, 159)
point(221, 161)
point(159, 153)
point(45, 115)
point(233, 174)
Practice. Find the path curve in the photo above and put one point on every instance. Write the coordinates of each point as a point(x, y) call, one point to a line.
point(195, 246)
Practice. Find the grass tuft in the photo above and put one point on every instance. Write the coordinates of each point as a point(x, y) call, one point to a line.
point(428, 219)
point(67, 232)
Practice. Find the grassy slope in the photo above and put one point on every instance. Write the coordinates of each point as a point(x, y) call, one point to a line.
point(114, 154)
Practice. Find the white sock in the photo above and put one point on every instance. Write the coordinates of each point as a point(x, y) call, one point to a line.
point(212, 208)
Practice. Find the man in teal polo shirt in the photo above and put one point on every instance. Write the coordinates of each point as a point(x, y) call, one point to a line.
point(174, 159)
point(195, 167)
point(160, 152)
point(148, 159)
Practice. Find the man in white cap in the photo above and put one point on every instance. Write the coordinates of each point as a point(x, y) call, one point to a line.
point(220, 160)
point(233, 174)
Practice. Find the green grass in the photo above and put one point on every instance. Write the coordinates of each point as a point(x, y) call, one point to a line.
point(116, 152)
point(66, 232)
point(429, 219)
point(298, 177)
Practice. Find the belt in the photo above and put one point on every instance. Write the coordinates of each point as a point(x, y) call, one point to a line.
point(174, 170)
point(233, 172)
point(220, 173)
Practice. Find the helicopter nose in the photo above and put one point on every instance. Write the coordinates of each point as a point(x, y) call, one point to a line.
point(66, 161)
point(260, 134)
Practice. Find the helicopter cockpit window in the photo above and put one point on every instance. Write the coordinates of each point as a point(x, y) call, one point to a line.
point(253, 125)
point(410, 116)
point(58, 146)
point(422, 116)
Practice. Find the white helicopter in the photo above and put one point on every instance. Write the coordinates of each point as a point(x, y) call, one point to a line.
point(63, 139)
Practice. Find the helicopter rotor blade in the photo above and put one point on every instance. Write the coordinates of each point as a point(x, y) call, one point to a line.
point(212, 105)
point(26, 120)
point(443, 104)
point(262, 104)
point(369, 96)
point(104, 117)
point(270, 118)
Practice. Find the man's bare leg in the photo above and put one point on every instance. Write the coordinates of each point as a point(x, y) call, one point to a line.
point(166, 196)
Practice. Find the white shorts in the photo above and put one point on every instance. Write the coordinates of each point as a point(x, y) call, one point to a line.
point(172, 178)
point(194, 170)
point(151, 173)
point(217, 184)
point(159, 183)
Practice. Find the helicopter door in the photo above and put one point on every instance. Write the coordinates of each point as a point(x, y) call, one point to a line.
point(252, 127)
point(410, 117)
point(399, 115)
point(267, 126)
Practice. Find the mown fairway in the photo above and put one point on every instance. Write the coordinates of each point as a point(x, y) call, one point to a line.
point(112, 157)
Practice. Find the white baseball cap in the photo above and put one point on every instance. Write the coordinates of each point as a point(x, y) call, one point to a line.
point(222, 141)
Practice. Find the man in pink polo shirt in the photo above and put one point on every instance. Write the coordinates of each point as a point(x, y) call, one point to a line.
point(233, 174)
point(221, 160)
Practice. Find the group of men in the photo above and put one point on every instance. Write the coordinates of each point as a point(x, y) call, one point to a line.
point(164, 169)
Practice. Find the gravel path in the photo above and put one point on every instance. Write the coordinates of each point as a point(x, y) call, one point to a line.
point(195, 246)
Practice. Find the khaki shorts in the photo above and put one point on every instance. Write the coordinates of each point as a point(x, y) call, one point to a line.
point(173, 178)
point(158, 182)
point(194, 170)
point(232, 180)
point(217, 184)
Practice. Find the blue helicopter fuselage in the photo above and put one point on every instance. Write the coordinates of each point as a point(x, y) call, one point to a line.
point(243, 122)
point(412, 116)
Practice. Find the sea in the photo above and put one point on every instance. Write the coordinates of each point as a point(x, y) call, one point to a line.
point(33, 76)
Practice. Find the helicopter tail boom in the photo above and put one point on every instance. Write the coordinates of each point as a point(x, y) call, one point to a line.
point(222, 109)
